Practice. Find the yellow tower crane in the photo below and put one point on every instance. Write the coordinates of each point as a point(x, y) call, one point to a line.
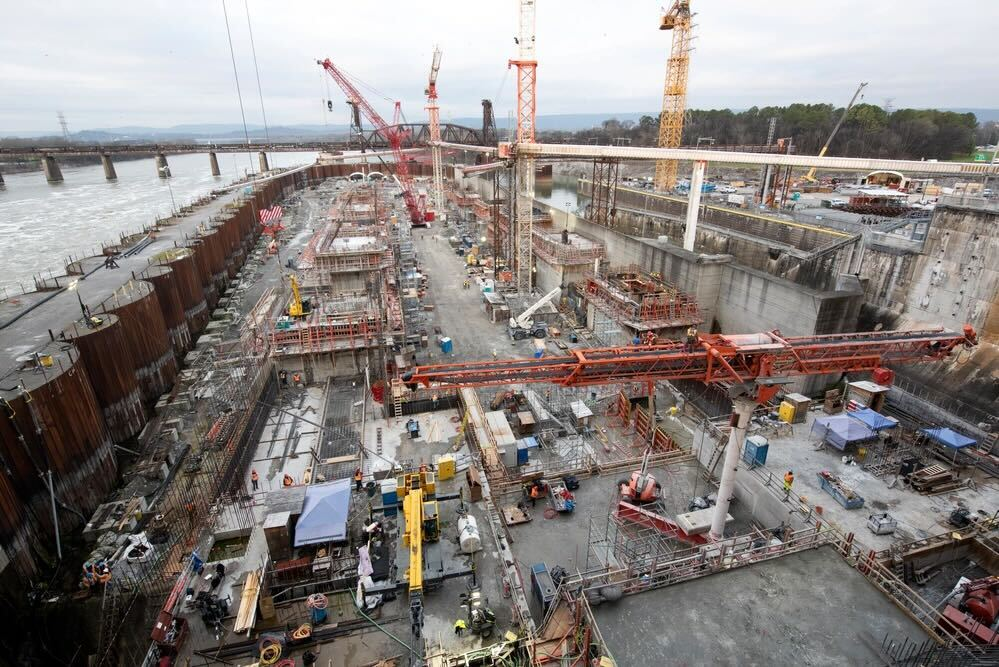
point(676, 19)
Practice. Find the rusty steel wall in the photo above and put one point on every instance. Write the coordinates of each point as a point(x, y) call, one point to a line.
point(192, 296)
point(164, 279)
point(51, 421)
point(109, 365)
point(212, 245)
point(146, 336)
point(201, 260)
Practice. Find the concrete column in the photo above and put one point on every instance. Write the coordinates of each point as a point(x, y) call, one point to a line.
point(214, 159)
point(52, 172)
point(109, 172)
point(162, 168)
point(262, 159)
point(726, 487)
point(693, 203)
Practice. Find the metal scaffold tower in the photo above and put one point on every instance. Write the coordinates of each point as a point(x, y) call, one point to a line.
point(434, 113)
point(604, 191)
point(676, 19)
point(524, 168)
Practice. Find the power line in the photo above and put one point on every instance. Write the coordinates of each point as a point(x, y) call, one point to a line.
point(235, 74)
point(260, 91)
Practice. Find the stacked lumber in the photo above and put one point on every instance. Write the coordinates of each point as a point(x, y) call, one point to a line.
point(935, 479)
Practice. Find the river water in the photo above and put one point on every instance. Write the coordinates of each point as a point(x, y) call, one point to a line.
point(42, 223)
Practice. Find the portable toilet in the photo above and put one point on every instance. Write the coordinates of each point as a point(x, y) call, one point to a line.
point(755, 453)
point(446, 345)
point(390, 496)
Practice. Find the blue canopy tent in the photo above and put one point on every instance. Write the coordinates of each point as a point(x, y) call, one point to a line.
point(873, 420)
point(840, 430)
point(324, 513)
point(948, 438)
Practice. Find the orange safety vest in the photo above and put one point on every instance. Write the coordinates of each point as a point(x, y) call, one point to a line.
point(254, 476)
point(358, 476)
point(296, 377)
point(789, 479)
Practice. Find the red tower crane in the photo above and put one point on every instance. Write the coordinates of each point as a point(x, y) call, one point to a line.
point(394, 134)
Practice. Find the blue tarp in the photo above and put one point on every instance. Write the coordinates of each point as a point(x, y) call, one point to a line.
point(873, 420)
point(324, 513)
point(949, 438)
point(840, 430)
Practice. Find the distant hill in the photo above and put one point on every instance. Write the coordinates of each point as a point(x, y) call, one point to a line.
point(226, 132)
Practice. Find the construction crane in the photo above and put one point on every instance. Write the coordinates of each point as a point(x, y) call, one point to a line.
point(720, 359)
point(522, 326)
point(394, 134)
point(434, 113)
point(676, 19)
point(810, 176)
point(527, 82)
point(422, 516)
point(297, 307)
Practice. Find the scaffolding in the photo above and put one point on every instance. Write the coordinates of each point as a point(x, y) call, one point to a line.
point(642, 301)
point(566, 248)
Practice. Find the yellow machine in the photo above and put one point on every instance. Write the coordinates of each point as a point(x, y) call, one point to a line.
point(297, 307)
point(420, 511)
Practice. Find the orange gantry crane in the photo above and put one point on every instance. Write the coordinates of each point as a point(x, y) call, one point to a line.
point(676, 19)
point(762, 360)
point(751, 366)
point(394, 134)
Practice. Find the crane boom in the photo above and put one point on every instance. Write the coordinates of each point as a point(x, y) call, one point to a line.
point(393, 134)
point(810, 176)
point(434, 115)
point(760, 359)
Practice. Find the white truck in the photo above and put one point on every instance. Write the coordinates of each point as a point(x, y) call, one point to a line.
point(523, 326)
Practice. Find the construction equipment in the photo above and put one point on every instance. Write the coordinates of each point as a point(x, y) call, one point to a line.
point(973, 608)
point(481, 619)
point(523, 326)
point(422, 517)
point(298, 307)
point(433, 112)
point(881, 524)
point(527, 80)
point(676, 19)
point(810, 176)
point(394, 134)
point(759, 362)
point(641, 488)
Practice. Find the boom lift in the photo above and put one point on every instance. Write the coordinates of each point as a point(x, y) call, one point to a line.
point(394, 134)
point(522, 326)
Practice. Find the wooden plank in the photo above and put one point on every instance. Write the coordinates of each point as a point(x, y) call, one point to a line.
point(248, 602)
point(340, 459)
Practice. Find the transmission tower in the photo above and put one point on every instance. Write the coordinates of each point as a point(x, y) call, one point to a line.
point(63, 125)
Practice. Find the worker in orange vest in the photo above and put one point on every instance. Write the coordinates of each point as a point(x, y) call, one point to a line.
point(297, 379)
point(288, 480)
point(254, 478)
point(358, 477)
point(788, 481)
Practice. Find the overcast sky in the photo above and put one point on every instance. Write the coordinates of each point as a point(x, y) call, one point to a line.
point(166, 63)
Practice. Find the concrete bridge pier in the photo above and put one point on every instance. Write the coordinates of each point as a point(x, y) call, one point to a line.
point(109, 172)
point(214, 159)
point(1, 179)
point(162, 168)
point(262, 159)
point(52, 172)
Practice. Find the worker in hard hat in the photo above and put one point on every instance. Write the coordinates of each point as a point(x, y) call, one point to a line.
point(691, 338)
point(254, 479)
point(460, 626)
point(288, 480)
point(788, 481)
point(358, 477)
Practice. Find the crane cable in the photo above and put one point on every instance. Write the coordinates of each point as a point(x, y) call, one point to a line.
point(260, 91)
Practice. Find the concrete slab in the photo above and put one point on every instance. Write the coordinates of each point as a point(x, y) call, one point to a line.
point(808, 608)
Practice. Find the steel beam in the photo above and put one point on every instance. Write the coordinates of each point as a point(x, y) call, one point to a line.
point(534, 150)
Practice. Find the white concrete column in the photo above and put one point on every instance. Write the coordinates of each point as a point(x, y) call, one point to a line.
point(743, 411)
point(693, 203)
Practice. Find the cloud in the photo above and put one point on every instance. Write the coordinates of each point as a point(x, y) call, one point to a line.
point(163, 63)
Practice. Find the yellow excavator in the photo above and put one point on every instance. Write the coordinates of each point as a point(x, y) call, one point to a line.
point(421, 513)
point(297, 307)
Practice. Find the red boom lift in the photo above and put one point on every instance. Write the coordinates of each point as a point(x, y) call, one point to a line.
point(394, 134)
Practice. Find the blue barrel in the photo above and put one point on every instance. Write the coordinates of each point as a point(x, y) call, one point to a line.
point(538, 354)
point(318, 616)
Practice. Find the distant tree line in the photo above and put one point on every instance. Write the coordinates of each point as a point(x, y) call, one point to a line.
point(869, 130)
